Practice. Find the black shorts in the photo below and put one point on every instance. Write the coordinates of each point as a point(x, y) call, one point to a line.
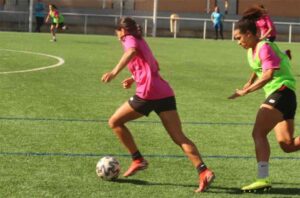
point(271, 38)
point(285, 101)
point(146, 106)
point(60, 25)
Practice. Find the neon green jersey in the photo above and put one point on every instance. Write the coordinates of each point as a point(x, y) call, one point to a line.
point(282, 76)
point(56, 17)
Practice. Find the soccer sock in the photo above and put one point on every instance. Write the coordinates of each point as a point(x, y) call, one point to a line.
point(136, 155)
point(263, 169)
point(201, 167)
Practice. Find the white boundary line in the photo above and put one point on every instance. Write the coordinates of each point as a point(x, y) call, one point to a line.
point(60, 62)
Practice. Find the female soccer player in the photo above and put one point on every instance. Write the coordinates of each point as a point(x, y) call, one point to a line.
point(57, 21)
point(266, 27)
point(263, 21)
point(152, 94)
point(272, 72)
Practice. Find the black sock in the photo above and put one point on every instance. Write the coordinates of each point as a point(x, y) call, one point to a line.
point(136, 155)
point(201, 167)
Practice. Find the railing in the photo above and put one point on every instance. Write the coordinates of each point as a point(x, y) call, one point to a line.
point(145, 19)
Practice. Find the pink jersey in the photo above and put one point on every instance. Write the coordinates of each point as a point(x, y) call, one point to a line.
point(268, 57)
point(264, 23)
point(144, 68)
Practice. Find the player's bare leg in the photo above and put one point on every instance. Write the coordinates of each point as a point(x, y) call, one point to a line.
point(124, 114)
point(172, 123)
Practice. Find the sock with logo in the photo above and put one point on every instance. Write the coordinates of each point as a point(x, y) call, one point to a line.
point(263, 169)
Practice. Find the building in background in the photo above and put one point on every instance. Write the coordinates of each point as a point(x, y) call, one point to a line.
point(231, 7)
point(100, 16)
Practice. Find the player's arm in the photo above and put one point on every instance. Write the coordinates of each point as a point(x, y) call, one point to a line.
point(258, 84)
point(269, 24)
point(127, 56)
point(266, 34)
point(251, 80)
point(128, 82)
point(261, 82)
point(47, 18)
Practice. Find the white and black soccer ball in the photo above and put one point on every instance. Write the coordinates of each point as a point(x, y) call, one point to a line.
point(108, 168)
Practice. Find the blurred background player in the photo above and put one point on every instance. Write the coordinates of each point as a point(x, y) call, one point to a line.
point(265, 25)
point(272, 72)
point(217, 19)
point(152, 94)
point(57, 21)
point(39, 8)
point(262, 20)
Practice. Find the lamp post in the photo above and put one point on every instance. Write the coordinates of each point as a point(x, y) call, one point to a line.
point(155, 3)
point(30, 15)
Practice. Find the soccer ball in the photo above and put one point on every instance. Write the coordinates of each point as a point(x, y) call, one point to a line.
point(108, 168)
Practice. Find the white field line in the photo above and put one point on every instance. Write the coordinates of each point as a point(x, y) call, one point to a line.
point(60, 62)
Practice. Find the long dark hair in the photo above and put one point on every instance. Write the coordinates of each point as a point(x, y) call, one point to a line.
point(130, 26)
point(245, 25)
point(53, 6)
point(254, 12)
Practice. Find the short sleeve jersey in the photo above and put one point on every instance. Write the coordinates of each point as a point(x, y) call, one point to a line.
point(264, 23)
point(268, 58)
point(217, 17)
point(145, 69)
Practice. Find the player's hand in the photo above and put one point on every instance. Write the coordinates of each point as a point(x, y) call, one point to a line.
point(107, 77)
point(127, 82)
point(248, 84)
point(238, 93)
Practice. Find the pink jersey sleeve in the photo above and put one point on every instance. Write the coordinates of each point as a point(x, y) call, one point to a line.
point(269, 22)
point(268, 57)
point(129, 42)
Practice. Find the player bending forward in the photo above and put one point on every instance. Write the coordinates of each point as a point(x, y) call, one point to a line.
point(153, 93)
point(272, 72)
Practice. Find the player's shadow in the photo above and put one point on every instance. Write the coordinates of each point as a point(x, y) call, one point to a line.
point(285, 191)
point(143, 182)
point(132, 181)
point(213, 188)
point(273, 191)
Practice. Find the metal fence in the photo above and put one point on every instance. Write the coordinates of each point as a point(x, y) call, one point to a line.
point(104, 24)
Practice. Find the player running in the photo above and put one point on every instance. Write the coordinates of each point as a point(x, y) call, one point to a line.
point(152, 94)
point(264, 24)
point(272, 72)
point(57, 21)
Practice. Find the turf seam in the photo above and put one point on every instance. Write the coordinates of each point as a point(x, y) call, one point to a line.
point(48, 154)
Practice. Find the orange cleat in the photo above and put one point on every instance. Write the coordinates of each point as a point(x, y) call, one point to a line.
point(136, 165)
point(206, 178)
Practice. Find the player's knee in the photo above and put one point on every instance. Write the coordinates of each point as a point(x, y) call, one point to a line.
point(258, 135)
point(181, 141)
point(286, 146)
point(112, 122)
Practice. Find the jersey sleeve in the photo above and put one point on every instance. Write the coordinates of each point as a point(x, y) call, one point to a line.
point(269, 22)
point(268, 57)
point(129, 42)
